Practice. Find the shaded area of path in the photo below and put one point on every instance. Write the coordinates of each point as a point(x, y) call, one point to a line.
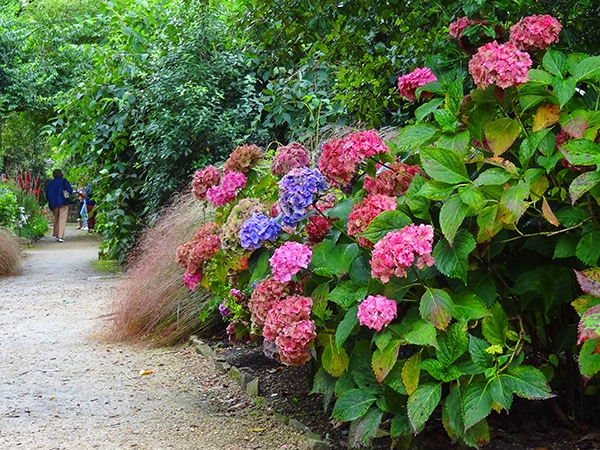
point(61, 388)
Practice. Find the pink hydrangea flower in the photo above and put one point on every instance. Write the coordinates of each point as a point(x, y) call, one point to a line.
point(288, 325)
point(364, 212)
point(289, 259)
point(457, 27)
point(535, 32)
point(364, 144)
point(204, 246)
point(337, 165)
point(397, 250)
point(289, 157)
point(501, 64)
point(226, 192)
point(393, 180)
point(191, 280)
point(203, 180)
point(263, 298)
point(376, 312)
point(408, 84)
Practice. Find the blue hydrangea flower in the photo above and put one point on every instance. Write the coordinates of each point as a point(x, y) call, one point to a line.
point(297, 191)
point(258, 229)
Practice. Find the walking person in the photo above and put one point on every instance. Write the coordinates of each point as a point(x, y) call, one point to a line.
point(58, 193)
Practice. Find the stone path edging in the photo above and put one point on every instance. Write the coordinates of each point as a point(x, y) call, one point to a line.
point(249, 384)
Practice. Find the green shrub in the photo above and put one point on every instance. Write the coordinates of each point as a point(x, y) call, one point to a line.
point(9, 208)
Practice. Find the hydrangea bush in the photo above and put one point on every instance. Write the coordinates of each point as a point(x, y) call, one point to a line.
point(430, 271)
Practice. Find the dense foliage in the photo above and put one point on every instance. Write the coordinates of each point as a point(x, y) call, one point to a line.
point(440, 269)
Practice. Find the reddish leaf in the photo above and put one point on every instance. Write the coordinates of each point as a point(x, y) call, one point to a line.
point(575, 127)
point(589, 280)
point(503, 163)
point(437, 308)
point(383, 360)
point(589, 325)
point(501, 134)
point(548, 213)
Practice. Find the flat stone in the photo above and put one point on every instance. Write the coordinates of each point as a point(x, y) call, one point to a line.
point(298, 426)
point(252, 388)
point(317, 444)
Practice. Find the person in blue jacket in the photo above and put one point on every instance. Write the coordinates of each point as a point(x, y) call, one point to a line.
point(58, 192)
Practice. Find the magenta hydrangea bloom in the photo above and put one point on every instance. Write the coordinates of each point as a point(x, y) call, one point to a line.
point(289, 259)
point(397, 251)
point(408, 84)
point(364, 212)
point(203, 180)
point(501, 64)
point(191, 280)
point(376, 312)
point(226, 192)
point(264, 297)
point(535, 32)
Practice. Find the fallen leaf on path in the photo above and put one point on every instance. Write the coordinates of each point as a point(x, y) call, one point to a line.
point(146, 372)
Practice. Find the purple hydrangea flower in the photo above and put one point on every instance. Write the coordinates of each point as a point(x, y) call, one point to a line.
point(297, 191)
point(258, 229)
point(224, 309)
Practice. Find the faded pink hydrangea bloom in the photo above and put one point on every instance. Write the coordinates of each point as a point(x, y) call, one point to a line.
point(226, 192)
point(337, 165)
point(393, 180)
point(264, 296)
point(408, 84)
point(203, 180)
point(393, 254)
point(243, 158)
point(289, 259)
point(376, 312)
point(364, 212)
point(501, 64)
point(289, 157)
point(204, 245)
point(191, 280)
point(457, 27)
point(535, 32)
point(288, 325)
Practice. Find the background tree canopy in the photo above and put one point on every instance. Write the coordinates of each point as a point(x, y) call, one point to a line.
point(134, 96)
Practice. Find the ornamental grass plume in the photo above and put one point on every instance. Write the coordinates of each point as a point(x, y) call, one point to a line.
point(10, 254)
point(152, 302)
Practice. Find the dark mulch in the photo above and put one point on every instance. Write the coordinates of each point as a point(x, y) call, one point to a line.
point(286, 390)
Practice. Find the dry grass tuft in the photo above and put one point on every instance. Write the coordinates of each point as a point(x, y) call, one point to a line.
point(153, 303)
point(10, 254)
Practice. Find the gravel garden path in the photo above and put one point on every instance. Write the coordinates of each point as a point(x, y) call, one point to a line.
point(64, 386)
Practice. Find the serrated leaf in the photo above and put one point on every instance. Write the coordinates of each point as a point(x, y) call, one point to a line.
point(501, 134)
point(589, 325)
point(587, 69)
point(494, 327)
point(458, 143)
point(453, 343)
point(530, 144)
point(422, 333)
point(487, 223)
point(527, 382)
point(477, 403)
point(477, 350)
point(564, 89)
point(555, 62)
point(394, 378)
point(500, 393)
point(411, 372)
point(323, 383)
point(352, 404)
point(344, 329)
point(580, 152)
point(363, 430)
point(415, 137)
point(452, 260)
point(443, 166)
point(502, 163)
point(427, 108)
point(589, 358)
point(437, 308)
point(588, 248)
point(401, 425)
point(384, 223)
point(589, 281)
point(582, 184)
point(583, 303)
point(319, 298)
point(539, 76)
point(454, 96)
point(514, 199)
point(422, 403)
point(335, 361)
point(383, 360)
point(347, 294)
point(452, 415)
point(548, 213)
point(452, 214)
point(571, 217)
point(492, 177)
point(468, 306)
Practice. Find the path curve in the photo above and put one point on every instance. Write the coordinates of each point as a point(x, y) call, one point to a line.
point(61, 388)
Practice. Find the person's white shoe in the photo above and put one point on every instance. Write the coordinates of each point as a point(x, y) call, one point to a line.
point(85, 229)
point(60, 240)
